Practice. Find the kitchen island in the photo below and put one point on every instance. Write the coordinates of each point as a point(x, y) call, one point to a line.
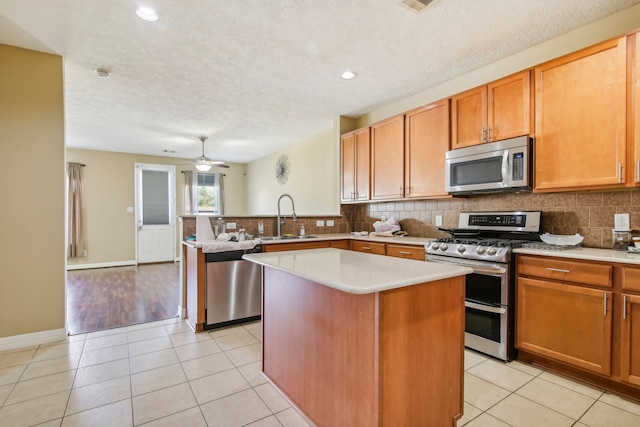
point(354, 339)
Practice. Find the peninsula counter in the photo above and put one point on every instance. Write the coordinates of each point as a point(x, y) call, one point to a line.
point(356, 339)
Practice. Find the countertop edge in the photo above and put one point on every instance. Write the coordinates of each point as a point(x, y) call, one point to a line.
point(442, 271)
point(585, 254)
point(407, 240)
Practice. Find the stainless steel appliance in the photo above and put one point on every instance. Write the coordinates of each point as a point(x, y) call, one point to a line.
point(484, 242)
point(499, 166)
point(233, 288)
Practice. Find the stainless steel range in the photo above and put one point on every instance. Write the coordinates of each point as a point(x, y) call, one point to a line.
point(484, 241)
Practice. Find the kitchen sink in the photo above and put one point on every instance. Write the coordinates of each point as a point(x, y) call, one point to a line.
point(288, 237)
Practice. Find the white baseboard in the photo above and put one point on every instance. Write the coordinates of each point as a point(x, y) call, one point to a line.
point(101, 265)
point(35, 338)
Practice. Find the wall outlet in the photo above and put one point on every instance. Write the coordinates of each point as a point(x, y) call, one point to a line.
point(438, 220)
point(129, 209)
point(84, 253)
point(230, 226)
point(319, 223)
point(330, 223)
point(621, 222)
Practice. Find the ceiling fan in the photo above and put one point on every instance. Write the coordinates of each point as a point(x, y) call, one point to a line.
point(204, 163)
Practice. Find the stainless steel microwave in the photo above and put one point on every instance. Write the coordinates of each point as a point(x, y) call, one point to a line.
point(500, 166)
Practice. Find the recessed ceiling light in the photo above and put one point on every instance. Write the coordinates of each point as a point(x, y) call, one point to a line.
point(147, 14)
point(101, 72)
point(347, 75)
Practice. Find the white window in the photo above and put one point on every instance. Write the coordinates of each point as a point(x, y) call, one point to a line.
point(208, 193)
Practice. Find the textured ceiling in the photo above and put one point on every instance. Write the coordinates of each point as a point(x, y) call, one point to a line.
point(256, 76)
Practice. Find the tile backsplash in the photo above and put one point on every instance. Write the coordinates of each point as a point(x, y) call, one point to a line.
point(590, 214)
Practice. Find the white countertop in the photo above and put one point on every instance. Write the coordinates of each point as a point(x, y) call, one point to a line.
point(356, 272)
point(593, 254)
point(406, 240)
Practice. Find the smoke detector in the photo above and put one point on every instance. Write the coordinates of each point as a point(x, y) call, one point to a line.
point(416, 5)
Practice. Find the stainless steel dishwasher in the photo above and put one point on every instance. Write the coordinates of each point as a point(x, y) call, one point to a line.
point(233, 288)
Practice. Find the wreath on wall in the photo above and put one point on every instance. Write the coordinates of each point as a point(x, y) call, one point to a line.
point(282, 169)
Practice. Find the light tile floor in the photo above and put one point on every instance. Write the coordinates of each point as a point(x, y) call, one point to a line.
point(162, 374)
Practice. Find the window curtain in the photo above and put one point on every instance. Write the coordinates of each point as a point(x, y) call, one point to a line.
point(219, 176)
point(190, 197)
point(75, 211)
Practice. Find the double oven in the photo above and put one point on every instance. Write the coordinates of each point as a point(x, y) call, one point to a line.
point(484, 242)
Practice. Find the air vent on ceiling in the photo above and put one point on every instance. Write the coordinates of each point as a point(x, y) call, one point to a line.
point(416, 5)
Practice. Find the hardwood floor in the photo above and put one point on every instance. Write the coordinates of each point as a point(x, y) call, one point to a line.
point(105, 298)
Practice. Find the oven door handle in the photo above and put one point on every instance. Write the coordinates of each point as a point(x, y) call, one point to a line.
point(482, 307)
point(477, 268)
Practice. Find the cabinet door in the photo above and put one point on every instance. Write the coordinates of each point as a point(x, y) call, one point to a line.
point(633, 171)
point(387, 159)
point(363, 162)
point(630, 339)
point(348, 167)
point(580, 119)
point(509, 107)
point(469, 118)
point(568, 323)
point(426, 142)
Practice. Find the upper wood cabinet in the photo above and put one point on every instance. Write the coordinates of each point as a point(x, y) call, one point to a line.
point(387, 159)
point(427, 139)
point(496, 111)
point(355, 161)
point(580, 119)
point(633, 162)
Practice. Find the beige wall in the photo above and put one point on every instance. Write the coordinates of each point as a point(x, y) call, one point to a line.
point(109, 189)
point(32, 236)
point(313, 180)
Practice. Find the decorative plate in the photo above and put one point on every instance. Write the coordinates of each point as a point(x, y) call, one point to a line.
point(282, 169)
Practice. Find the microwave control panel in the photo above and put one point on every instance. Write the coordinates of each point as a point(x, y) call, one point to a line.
point(518, 167)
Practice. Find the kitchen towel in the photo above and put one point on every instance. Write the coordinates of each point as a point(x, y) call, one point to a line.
point(215, 246)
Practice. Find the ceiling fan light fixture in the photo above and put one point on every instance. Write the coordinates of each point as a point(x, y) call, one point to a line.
point(202, 166)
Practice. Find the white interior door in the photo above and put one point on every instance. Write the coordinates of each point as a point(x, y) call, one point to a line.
point(155, 212)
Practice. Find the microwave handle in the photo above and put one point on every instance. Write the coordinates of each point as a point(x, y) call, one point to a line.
point(506, 169)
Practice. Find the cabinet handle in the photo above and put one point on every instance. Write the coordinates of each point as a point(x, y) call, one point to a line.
point(559, 270)
point(605, 303)
point(357, 195)
point(619, 172)
point(638, 171)
point(624, 307)
point(366, 248)
point(482, 135)
point(405, 253)
point(489, 134)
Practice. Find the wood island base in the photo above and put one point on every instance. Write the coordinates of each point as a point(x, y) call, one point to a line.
point(388, 358)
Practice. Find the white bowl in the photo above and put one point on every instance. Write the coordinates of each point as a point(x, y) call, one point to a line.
point(561, 239)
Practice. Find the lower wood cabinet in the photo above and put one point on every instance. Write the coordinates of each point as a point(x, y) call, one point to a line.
point(296, 246)
point(406, 251)
point(581, 318)
point(368, 247)
point(568, 323)
point(630, 339)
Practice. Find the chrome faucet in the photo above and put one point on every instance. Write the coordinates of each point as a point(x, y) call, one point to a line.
point(282, 221)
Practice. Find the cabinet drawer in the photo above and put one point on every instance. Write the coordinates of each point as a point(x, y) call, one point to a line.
point(631, 279)
point(340, 244)
point(406, 251)
point(584, 273)
point(369, 247)
point(296, 246)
